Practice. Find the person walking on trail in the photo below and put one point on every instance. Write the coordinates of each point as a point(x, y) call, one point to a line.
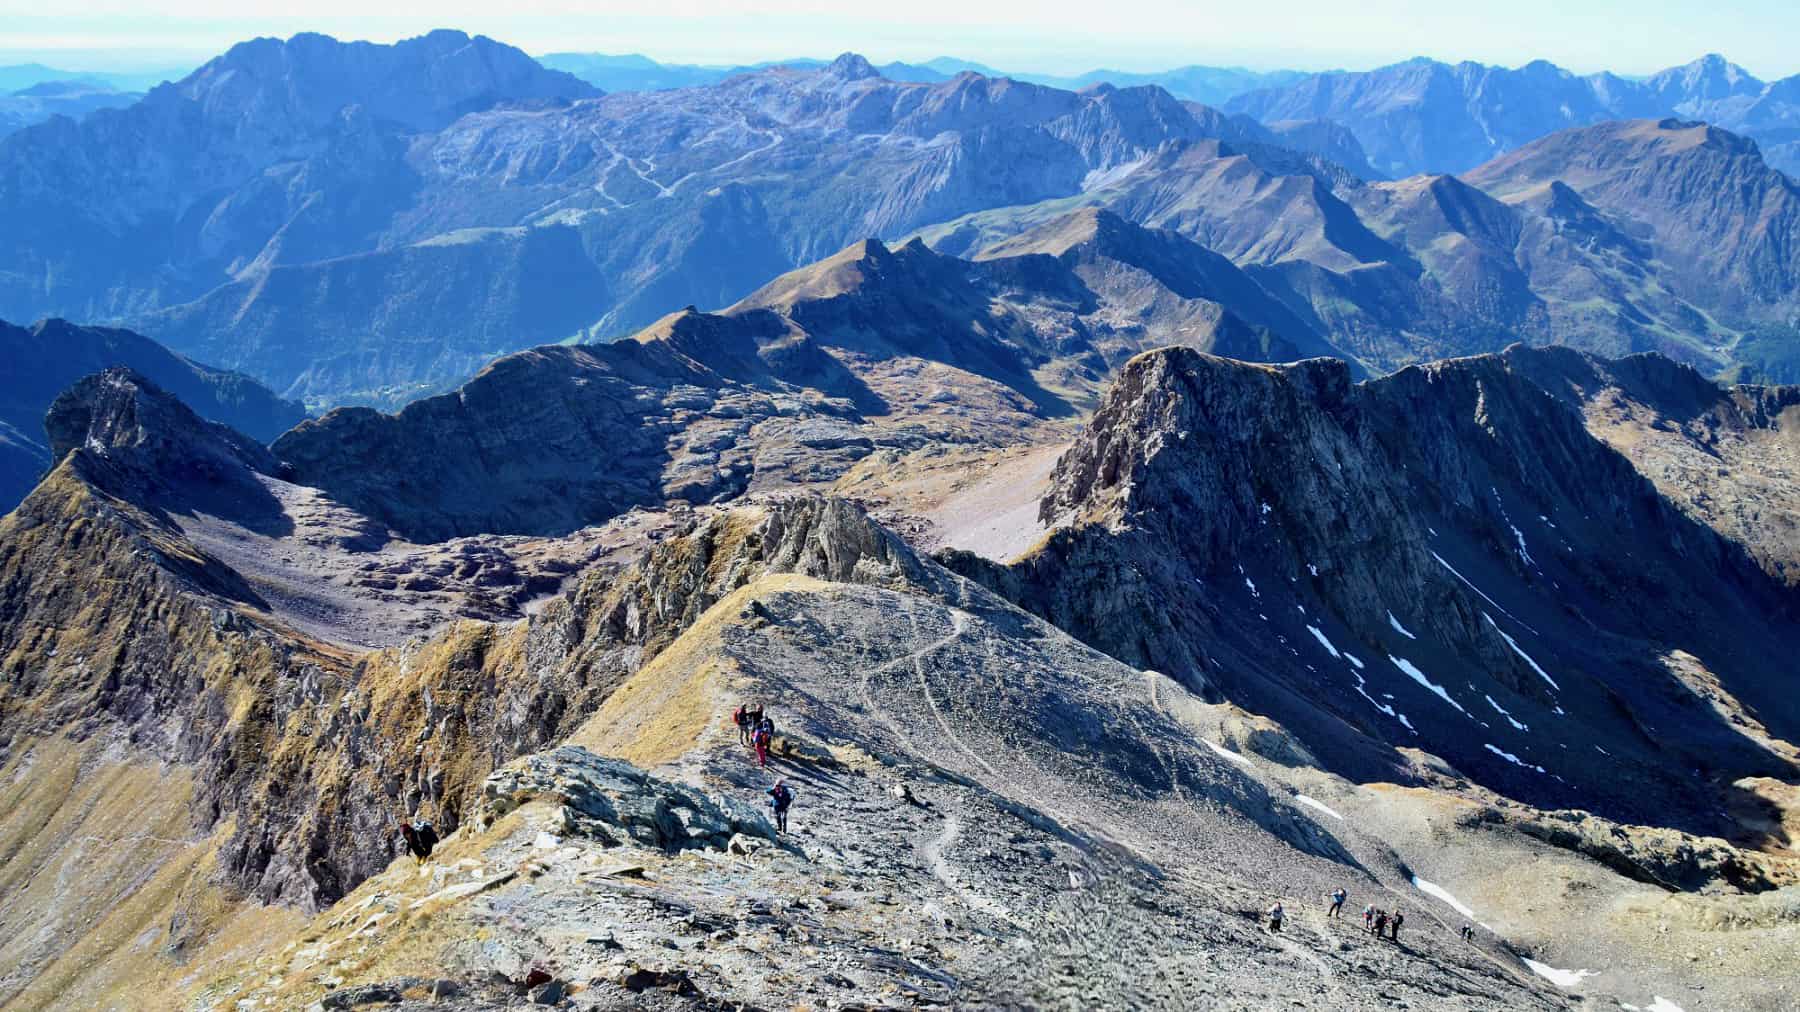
point(1468, 933)
point(741, 717)
point(1276, 916)
point(420, 838)
point(1338, 896)
point(761, 741)
point(1369, 917)
point(767, 724)
point(1381, 922)
point(1394, 925)
point(781, 797)
point(755, 715)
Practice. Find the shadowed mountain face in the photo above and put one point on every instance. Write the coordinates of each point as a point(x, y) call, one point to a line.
point(42, 360)
point(1442, 559)
point(1425, 116)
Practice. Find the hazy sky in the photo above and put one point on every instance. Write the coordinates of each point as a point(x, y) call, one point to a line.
point(1026, 35)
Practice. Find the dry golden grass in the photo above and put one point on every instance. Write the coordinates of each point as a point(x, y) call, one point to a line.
point(661, 712)
point(99, 862)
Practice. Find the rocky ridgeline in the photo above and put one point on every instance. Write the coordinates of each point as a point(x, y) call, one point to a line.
point(159, 638)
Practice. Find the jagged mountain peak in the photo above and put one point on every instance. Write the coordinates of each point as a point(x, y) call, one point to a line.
point(1708, 78)
point(422, 82)
point(136, 441)
point(851, 67)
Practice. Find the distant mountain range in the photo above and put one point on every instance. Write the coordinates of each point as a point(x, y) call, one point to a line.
point(633, 72)
point(1426, 116)
point(74, 98)
point(357, 223)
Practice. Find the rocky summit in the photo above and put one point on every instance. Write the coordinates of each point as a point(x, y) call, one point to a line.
point(834, 536)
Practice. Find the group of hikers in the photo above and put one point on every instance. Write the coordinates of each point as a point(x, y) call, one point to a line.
point(1382, 924)
point(1379, 923)
point(757, 730)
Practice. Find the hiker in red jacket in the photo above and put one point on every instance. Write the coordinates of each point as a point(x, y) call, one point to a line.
point(761, 741)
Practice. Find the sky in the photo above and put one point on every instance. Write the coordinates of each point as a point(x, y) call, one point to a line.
point(1043, 36)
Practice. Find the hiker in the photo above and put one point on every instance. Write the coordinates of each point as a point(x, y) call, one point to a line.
point(1468, 933)
point(741, 717)
point(1381, 921)
point(1276, 914)
point(1369, 917)
point(755, 718)
point(760, 741)
point(1394, 925)
point(767, 724)
point(420, 839)
point(780, 798)
point(1338, 896)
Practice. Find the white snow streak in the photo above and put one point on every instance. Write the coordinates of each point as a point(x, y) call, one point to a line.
point(1509, 757)
point(1515, 646)
point(1419, 676)
point(1432, 889)
point(1352, 658)
point(1565, 979)
point(1501, 710)
point(1478, 590)
point(1229, 754)
point(1402, 630)
point(1333, 651)
point(1320, 805)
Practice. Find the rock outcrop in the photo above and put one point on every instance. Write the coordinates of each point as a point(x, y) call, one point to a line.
point(43, 360)
point(611, 801)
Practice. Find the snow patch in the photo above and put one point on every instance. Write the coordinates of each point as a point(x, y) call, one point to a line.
point(1402, 630)
point(1565, 979)
point(1416, 675)
point(1509, 757)
point(1229, 754)
point(1515, 647)
point(1432, 889)
point(1320, 805)
point(1501, 710)
point(1333, 651)
point(1353, 659)
point(1252, 585)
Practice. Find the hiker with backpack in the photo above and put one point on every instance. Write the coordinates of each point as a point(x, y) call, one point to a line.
point(761, 741)
point(420, 839)
point(1381, 923)
point(781, 797)
point(741, 717)
point(1369, 917)
point(1338, 896)
point(1276, 916)
point(1394, 925)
